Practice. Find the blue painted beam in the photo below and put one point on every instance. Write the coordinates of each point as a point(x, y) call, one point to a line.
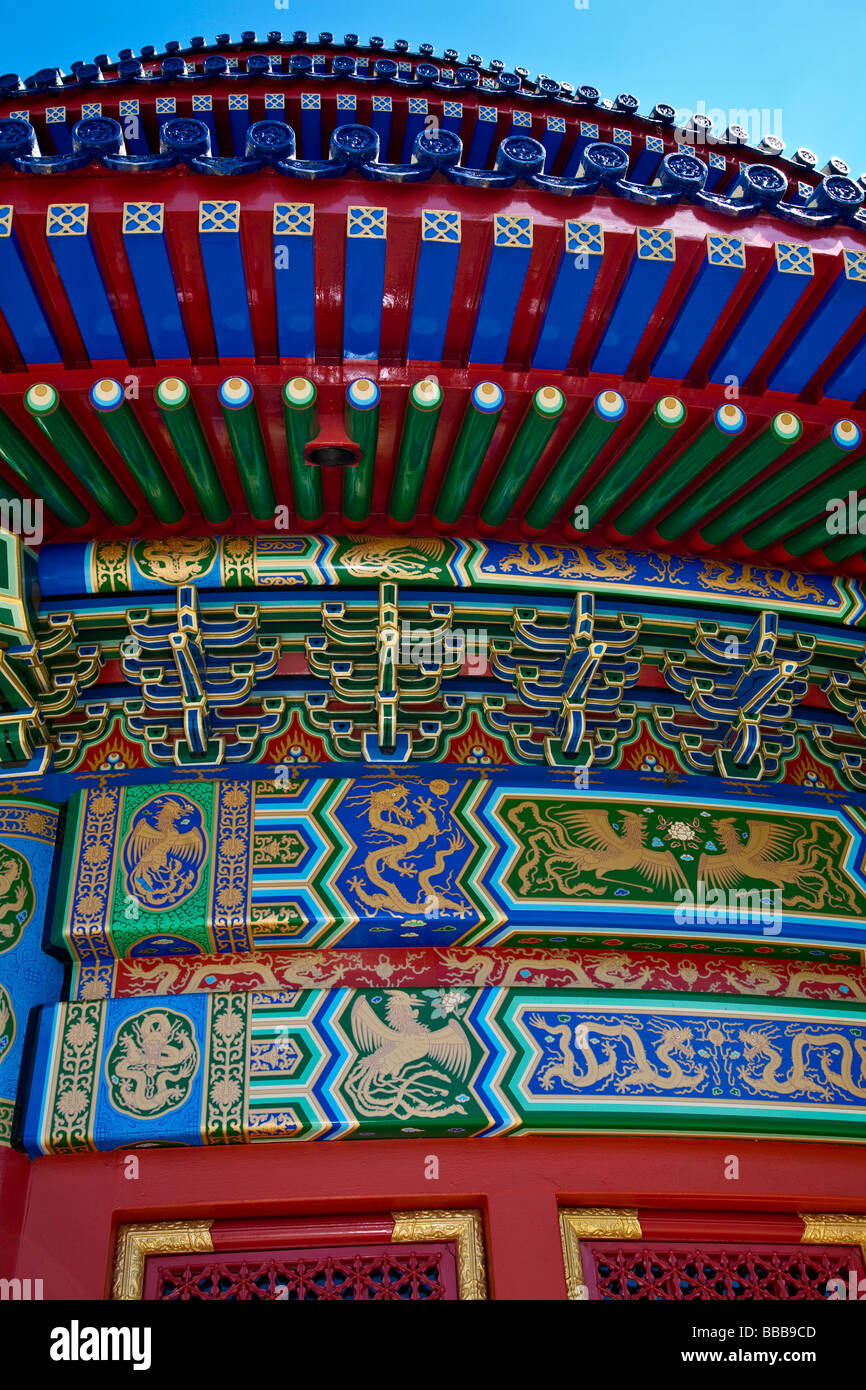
point(788, 278)
point(452, 116)
point(239, 120)
point(68, 236)
point(554, 134)
point(381, 122)
point(59, 128)
point(647, 160)
point(19, 303)
point(586, 134)
point(311, 125)
point(434, 284)
point(716, 280)
point(652, 262)
point(147, 253)
point(134, 135)
point(717, 170)
point(482, 137)
point(521, 123)
point(575, 278)
point(506, 273)
point(416, 120)
point(294, 277)
point(842, 304)
point(220, 241)
point(166, 110)
point(366, 245)
point(202, 110)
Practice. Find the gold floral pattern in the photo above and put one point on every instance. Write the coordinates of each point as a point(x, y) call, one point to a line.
point(225, 1079)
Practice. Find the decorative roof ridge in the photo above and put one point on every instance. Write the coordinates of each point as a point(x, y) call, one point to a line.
point(355, 149)
point(457, 76)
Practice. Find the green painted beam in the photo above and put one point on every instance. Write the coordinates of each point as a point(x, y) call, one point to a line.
point(528, 445)
point(476, 431)
point(361, 418)
point(301, 420)
point(781, 526)
point(667, 415)
point(817, 536)
point(595, 429)
point(783, 431)
point(175, 405)
point(825, 456)
point(18, 453)
point(127, 436)
point(248, 447)
point(416, 442)
point(716, 436)
point(43, 403)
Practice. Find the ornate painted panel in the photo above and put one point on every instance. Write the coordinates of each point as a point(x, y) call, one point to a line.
point(766, 973)
point(261, 562)
point(28, 977)
point(231, 1068)
point(406, 859)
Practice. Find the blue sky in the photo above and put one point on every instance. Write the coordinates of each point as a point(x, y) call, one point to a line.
point(803, 61)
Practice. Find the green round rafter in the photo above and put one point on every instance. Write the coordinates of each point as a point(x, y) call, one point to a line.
point(44, 404)
point(127, 436)
point(301, 419)
point(172, 397)
point(245, 436)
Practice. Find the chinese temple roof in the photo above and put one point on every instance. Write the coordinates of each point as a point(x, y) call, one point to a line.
point(516, 297)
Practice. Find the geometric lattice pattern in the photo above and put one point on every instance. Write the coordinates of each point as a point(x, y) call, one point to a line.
point(274, 101)
point(205, 103)
point(219, 216)
point(439, 224)
point(680, 1272)
point(143, 217)
point(165, 106)
point(487, 113)
point(310, 101)
point(622, 137)
point(405, 1274)
point(522, 120)
point(238, 101)
point(588, 130)
point(381, 104)
point(293, 219)
point(726, 250)
point(6, 220)
point(67, 219)
point(587, 237)
point(55, 115)
point(417, 106)
point(794, 259)
point(855, 265)
point(512, 231)
point(90, 110)
point(366, 222)
point(655, 244)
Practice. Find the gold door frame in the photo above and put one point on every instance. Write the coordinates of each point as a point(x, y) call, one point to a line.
point(134, 1242)
point(621, 1223)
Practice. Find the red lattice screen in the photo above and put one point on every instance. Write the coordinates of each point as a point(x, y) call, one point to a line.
point(335, 1274)
point(714, 1272)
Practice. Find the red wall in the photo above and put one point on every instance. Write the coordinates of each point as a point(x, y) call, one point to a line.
point(73, 1203)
